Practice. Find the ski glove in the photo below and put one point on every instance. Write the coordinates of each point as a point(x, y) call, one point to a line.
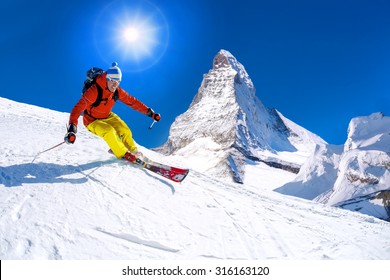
point(70, 137)
point(153, 115)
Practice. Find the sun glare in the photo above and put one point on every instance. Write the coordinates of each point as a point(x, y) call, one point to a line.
point(137, 35)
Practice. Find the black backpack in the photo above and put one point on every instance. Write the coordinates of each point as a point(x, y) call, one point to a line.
point(90, 80)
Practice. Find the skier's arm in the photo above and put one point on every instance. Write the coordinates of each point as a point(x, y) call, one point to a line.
point(136, 104)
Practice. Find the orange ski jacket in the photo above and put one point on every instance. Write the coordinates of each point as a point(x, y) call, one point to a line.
point(104, 108)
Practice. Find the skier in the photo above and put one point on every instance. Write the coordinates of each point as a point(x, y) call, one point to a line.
point(101, 121)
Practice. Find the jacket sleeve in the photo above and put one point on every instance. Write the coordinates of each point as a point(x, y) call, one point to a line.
point(132, 101)
point(85, 102)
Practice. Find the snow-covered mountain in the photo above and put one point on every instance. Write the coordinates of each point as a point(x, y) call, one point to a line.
point(227, 120)
point(355, 176)
point(79, 202)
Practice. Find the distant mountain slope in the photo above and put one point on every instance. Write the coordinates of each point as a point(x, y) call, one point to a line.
point(79, 202)
point(226, 113)
point(355, 176)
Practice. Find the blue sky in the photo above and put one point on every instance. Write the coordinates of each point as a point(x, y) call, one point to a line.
point(319, 62)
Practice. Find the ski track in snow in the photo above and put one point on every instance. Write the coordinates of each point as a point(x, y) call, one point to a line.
point(78, 202)
point(137, 240)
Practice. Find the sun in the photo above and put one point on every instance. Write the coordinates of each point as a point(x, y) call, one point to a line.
point(137, 37)
point(131, 34)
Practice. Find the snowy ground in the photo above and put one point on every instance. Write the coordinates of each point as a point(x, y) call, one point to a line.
point(78, 202)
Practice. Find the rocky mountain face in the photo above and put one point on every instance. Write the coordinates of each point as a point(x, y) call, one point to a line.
point(355, 175)
point(227, 120)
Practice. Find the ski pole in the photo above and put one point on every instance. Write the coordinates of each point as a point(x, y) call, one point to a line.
point(47, 150)
point(150, 127)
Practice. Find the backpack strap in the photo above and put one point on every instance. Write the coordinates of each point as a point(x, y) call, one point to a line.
point(99, 96)
point(116, 95)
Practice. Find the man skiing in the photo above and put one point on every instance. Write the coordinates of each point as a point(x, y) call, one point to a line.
point(101, 121)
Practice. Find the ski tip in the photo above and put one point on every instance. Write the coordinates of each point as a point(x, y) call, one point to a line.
point(180, 177)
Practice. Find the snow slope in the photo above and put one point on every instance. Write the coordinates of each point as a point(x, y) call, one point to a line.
point(78, 202)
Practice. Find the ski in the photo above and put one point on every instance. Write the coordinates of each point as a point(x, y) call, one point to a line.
point(172, 173)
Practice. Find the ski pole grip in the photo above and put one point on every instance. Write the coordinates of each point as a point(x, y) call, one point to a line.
point(72, 138)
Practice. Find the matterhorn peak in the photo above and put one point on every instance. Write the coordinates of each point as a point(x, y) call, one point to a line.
point(227, 121)
point(224, 60)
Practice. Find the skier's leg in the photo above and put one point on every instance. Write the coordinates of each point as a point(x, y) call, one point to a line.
point(108, 133)
point(123, 131)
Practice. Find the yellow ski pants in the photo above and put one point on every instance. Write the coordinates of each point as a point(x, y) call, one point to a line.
point(115, 132)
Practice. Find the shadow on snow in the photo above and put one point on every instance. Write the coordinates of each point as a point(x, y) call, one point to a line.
point(33, 173)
